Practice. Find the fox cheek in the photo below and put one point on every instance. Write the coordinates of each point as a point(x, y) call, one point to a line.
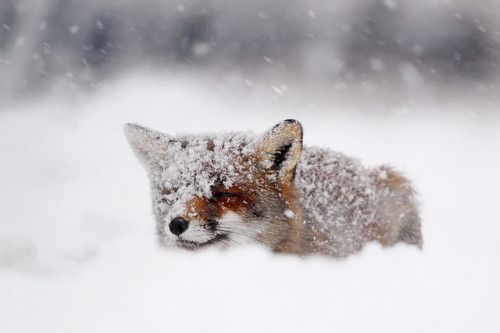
point(258, 209)
point(258, 213)
point(210, 214)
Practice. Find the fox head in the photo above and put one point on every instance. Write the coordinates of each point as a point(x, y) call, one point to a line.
point(222, 189)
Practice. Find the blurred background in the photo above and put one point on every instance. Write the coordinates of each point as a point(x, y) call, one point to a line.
point(413, 84)
point(391, 49)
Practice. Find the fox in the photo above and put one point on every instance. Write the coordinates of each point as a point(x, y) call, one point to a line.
point(234, 188)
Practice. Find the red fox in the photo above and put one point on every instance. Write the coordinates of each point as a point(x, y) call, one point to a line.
point(219, 190)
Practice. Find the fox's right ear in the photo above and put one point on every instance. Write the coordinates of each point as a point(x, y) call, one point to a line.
point(280, 148)
point(149, 146)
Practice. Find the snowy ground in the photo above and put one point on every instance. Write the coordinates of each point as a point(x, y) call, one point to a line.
point(78, 251)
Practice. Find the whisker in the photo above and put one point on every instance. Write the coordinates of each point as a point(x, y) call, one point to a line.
point(240, 233)
point(231, 227)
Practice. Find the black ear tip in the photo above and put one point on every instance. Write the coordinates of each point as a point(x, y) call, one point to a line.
point(292, 121)
point(289, 122)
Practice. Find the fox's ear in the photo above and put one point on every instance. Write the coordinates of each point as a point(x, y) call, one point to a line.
point(149, 146)
point(280, 149)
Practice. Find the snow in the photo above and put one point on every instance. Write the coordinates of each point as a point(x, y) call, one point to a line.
point(74, 29)
point(78, 249)
point(289, 213)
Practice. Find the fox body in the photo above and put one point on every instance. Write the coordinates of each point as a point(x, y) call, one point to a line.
point(219, 190)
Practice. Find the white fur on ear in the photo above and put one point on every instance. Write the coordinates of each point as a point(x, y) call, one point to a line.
point(280, 149)
point(149, 146)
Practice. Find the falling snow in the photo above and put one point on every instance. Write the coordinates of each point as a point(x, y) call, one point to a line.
point(410, 83)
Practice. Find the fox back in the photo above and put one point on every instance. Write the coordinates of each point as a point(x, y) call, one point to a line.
point(220, 190)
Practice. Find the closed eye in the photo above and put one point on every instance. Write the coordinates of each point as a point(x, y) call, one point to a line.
point(224, 195)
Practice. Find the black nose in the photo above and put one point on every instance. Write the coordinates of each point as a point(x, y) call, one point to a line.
point(178, 225)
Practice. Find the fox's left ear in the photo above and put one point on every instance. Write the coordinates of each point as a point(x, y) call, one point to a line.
point(280, 149)
point(149, 145)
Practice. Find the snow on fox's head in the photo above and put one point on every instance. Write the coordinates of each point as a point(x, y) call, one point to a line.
point(219, 189)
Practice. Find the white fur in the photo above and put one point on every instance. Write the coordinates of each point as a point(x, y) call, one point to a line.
point(237, 230)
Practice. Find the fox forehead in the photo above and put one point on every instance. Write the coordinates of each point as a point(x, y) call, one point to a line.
point(193, 165)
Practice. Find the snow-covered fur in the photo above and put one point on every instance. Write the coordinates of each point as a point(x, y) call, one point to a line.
point(236, 188)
